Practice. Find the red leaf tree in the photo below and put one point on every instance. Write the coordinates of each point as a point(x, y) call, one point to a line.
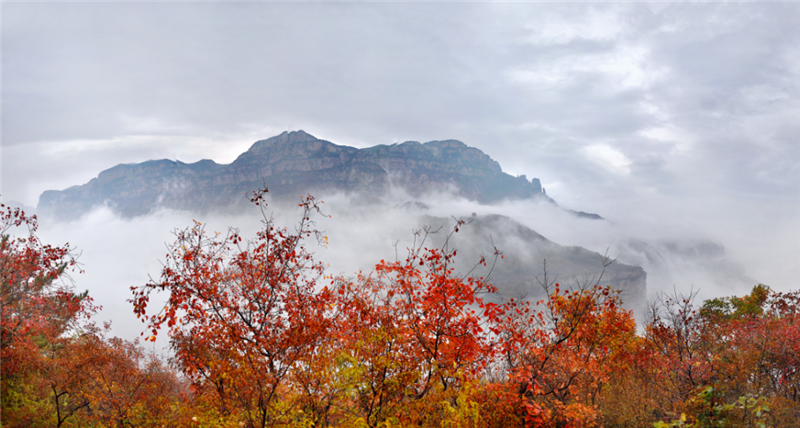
point(241, 314)
point(413, 332)
point(38, 309)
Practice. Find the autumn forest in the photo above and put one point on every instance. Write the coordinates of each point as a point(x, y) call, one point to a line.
point(260, 335)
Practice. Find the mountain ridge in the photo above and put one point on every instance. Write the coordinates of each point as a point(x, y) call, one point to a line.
point(296, 163)
point(292, 164)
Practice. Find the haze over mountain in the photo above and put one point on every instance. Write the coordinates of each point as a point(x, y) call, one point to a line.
point(296, 163)
point(520, 274)
point(677, 122)
point(293, 164)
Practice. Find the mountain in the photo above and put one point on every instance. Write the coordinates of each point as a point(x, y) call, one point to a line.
point(293, 164)
point(520, 272)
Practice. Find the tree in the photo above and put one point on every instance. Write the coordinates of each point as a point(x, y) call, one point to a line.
point(560, 353)
point(34, 298)
point(38, 309)
point(120, 385)
point(242, 314)
point(733, 362)
point(414, 333)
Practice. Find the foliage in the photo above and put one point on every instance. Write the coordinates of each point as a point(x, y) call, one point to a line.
point(37, 308)
point(707, 411)
point(242, 314)
point(561, 356)
point(262, 337)
point(58, 369)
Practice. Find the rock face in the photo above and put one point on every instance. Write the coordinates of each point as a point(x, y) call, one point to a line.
point(293, 164)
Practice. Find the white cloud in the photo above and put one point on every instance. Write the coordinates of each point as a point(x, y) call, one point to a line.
point(607, 157)
point(620, 67)
point(680, 140)
point(576, 22)
point(682, 113)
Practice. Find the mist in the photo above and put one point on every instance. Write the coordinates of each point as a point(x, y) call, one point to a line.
point(676, 122)
point(702, 255)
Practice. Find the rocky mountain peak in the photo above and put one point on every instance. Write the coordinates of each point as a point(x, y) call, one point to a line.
point(295, 144)
point(292, 164)
point(284, 139)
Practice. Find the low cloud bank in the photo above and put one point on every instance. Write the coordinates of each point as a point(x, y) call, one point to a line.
point(713, 255)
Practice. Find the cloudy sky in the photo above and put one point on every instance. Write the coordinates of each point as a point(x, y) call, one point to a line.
point(674, 116)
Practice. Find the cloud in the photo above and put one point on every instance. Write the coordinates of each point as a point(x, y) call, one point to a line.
point(119, 253)
point(608, 157)
point(692, 107)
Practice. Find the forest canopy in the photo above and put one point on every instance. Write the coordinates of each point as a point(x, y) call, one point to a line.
point(262, 336)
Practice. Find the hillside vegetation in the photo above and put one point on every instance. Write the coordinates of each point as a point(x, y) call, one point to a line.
point(261, 336)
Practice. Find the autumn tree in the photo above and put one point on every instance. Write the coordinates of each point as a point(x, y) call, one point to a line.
point(413, 332)
point(38, 307)
point(560, 352)
point(263, 340)
point(34, 298)
point(267, 339)
point(121, 385)
point(241, 314)
point(58, 368)
point(731, 362)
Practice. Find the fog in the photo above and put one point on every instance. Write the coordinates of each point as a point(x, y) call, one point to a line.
point(678, 122)
point(118, 253)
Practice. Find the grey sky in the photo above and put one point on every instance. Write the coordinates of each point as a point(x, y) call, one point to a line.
point(683, 116)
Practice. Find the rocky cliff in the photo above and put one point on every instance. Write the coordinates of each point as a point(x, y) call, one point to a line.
point(293, 164)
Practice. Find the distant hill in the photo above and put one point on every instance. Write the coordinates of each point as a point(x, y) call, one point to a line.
point(15, 204)
point(519, 273)
point(293, 164)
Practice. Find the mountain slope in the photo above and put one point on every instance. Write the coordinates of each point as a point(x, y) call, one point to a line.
point(520, 273)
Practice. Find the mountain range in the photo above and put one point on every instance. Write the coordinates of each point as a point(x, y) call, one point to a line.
point(295, 163)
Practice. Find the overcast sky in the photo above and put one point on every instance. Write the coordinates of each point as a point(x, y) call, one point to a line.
point(682, 116)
